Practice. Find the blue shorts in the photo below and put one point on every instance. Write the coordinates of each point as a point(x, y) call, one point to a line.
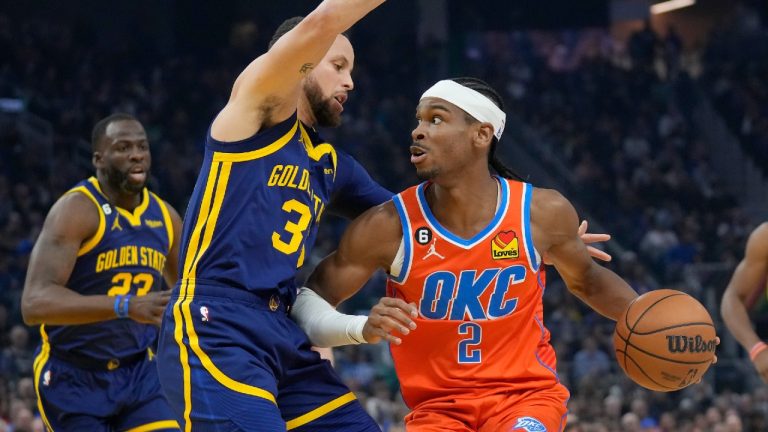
point(127, 398)
point(231, 360)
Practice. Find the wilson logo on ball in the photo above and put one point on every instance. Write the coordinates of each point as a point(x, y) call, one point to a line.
point(505, 246)
point(683, 344)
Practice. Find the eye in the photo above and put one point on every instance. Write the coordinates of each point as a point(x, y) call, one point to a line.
point(436, 120)
point(338, 67)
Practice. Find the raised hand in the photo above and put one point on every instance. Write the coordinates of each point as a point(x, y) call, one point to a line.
point(387, 316)
point(589, 238)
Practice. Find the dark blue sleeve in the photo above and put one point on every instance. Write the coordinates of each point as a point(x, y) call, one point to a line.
point(354, 190)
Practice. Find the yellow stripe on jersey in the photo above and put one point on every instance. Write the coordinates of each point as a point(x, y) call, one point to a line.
point(209, 224)
point(316, 152)
point(158, 425)
point(91, 243)
point(37, 369)
point(183, 358)
point(178, 319)
point(259, 153)
point(166, 219)
point(200, 240)
point(134, 217)
point(320, 411)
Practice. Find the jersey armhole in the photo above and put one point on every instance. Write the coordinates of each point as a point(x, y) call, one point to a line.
point(406, 245)
point(94, 240)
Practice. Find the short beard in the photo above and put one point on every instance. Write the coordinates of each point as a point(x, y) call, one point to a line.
point(321, 107)
point(425, 175)
point(119, 181)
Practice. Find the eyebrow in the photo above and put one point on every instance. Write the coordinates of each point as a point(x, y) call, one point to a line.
point(340, 58)
point(433, 106)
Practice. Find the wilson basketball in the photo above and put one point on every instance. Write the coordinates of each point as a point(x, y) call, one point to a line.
point(665, 340)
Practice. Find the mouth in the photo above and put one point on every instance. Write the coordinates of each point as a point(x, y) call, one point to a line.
point(340, 99)
point(418, 154)
point(137, 174)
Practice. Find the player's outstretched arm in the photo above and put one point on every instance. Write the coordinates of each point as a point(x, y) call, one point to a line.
point(73, 220)
point(555, 228)
point(370, 242)
point(267, 91)
point(748, 278)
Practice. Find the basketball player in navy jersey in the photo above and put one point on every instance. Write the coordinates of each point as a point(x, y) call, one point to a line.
point(230, 358)
point(94, 283)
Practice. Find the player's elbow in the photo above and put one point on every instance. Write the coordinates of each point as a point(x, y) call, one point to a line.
point(325, 20)
point(726, 304)
point(31, 309)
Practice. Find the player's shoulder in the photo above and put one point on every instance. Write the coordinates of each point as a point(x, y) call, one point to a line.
point(382, 216)
point(78, 200)
point(75, 214)
point(761, 232)
point(380, 222)
point(549, 200)
point(757, 245)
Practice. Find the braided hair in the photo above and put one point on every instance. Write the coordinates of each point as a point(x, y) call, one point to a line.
point(486, 90)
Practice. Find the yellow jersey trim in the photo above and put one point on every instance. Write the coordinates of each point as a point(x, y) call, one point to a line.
point(37, 369)
point(134, 218)
point(178, 314)
point(205, 227)
point(166, 219)
point(158, 425)
point(320, 411)
point(259, 153)
point(322, 149)
point(96, 238)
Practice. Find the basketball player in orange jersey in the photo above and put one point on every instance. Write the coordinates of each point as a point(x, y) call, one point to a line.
point(750, 275)
point(464, 255)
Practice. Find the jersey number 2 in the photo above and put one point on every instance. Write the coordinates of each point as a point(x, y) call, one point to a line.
point(469, 352)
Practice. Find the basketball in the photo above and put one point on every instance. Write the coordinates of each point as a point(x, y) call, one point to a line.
point(665, 340)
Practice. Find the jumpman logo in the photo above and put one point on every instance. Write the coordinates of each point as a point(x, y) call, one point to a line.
point(432, 251)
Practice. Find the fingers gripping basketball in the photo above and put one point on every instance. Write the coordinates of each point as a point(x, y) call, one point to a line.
point(665, 340)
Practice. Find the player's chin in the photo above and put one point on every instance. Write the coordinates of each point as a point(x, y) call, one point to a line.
point(330, 120)
point(425, 174)
point(134, 187)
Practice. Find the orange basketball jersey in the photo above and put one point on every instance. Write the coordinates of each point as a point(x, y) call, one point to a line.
point(480, 325)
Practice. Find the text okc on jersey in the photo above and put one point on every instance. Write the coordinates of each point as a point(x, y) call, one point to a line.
point(529, 424)
point(447, 295)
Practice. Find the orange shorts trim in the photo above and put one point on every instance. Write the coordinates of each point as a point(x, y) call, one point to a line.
point(527, 412)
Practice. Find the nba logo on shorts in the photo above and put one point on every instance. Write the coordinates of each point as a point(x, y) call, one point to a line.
point(529, 424)
point(204, 313)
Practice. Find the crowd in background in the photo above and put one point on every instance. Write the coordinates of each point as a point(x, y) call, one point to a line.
point(616, 113)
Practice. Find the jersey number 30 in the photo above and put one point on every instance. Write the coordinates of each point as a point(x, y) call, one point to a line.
point(469, 351)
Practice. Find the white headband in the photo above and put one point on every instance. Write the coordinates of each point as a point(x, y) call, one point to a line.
point(474, 103)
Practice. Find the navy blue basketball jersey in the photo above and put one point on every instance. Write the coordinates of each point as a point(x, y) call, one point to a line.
point(253, 216)
point(125, 256)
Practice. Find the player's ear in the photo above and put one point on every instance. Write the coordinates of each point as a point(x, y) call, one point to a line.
point(97, 159)
point(483, 135)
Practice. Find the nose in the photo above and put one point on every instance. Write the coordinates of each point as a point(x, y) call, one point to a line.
point(137, 154)
point(347, 82)
point(417, 134)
